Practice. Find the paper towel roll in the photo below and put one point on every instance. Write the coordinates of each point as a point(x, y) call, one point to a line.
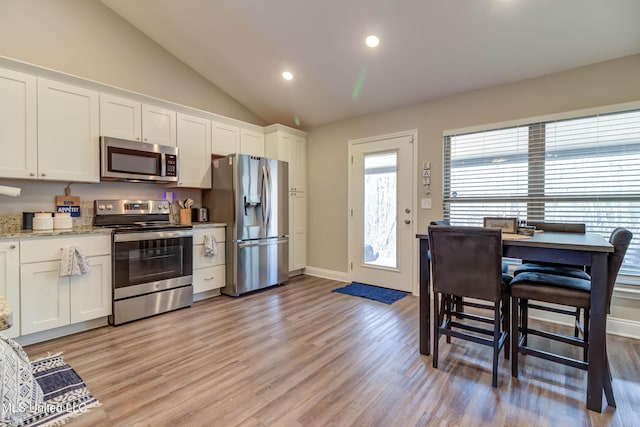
point(10, 191)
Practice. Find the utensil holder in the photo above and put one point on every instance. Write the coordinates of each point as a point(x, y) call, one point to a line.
point(185, 216)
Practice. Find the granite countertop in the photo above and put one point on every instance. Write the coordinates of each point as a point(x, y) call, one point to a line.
point(18, 233)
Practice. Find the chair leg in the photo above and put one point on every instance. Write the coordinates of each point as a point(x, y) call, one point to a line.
point(576, 329)
point(607, 381)
point(436, 328)
point(449, 303)
point(496, 343)
point(585, 334)
point(515, 335)
point(506, 324)
point(524, 320)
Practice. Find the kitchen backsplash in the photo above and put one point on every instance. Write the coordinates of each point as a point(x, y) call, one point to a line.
point(40, 196)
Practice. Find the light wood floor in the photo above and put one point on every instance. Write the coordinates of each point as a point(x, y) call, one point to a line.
point(300, 355)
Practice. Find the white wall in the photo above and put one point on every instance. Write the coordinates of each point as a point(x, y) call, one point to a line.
point(607, 83)
point(89, 40)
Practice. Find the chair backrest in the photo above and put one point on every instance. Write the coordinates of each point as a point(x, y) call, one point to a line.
point(466, 261)
point(560, 227)
point(620, 239)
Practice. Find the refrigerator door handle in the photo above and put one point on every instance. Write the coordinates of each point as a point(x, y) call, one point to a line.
point(267, 197)
point(267, 242)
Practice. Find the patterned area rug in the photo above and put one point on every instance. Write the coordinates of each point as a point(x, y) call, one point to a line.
point(65, 394)
point(387, 296)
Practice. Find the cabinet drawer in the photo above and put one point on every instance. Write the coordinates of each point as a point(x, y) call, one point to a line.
point(199, 233)
point(48, 248)
point(206, 279)
point(200, 260)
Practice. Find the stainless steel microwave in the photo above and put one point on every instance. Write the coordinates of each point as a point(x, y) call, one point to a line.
point(124, 160)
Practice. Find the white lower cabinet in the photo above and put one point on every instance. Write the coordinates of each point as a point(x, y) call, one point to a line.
point(208, 271)
point(10, 283)
point(50, 301)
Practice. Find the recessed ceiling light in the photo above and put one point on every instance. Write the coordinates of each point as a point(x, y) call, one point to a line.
point(372, 41)
point(287, 75)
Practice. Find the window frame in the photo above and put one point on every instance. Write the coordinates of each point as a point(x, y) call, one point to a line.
point(536, 147)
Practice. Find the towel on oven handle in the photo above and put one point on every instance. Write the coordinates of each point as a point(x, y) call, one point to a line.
point(72, 262)
point(210, 246)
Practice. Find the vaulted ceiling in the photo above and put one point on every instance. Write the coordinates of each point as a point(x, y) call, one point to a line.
point(428, 48)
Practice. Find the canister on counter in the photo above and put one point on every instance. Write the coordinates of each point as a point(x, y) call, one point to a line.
point(27, 220)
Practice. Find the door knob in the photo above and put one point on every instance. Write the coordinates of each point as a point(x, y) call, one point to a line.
point(407, 221)
point(407, 210)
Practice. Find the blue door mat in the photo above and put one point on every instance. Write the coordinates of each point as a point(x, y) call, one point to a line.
point(387, 296)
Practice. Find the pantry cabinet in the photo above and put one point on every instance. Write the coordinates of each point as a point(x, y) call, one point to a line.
point(68, 132)
point(194, 145)
point(208, 271)
point(18, 125)
point(49, 300)
point(129, 119)
point(10, 283)
point(290, 145)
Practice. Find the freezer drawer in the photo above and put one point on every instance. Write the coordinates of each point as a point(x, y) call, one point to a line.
point(257, 264)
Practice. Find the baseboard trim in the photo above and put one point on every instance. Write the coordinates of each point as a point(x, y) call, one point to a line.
point(61, 331)
point(327, 274)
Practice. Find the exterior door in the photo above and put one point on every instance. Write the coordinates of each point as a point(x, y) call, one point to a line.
point(381, 211)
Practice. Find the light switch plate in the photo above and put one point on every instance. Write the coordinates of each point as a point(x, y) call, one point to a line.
point(425, 203)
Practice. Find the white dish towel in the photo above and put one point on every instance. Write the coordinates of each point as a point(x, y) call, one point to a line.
point(210, 246)
point(72, 262)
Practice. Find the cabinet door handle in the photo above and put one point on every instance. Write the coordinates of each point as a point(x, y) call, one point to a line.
point(209, 278)
point(32, 174)
point(12, 247)
point(43, 174)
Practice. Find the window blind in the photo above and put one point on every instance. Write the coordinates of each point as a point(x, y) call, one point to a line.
point(581, 169)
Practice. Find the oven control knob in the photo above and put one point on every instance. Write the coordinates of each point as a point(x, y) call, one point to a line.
point(101, 207)
point(109, 207)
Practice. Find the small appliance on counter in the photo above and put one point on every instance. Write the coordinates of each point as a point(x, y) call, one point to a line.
point(199, 215)
point(27, 220)
point(42, 221)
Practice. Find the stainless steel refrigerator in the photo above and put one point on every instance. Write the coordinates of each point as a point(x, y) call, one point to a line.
point(250, 195)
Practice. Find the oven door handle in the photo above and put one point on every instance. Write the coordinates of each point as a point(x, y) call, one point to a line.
point(151, 235)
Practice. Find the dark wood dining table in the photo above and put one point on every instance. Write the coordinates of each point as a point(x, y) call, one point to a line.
point(565, 248)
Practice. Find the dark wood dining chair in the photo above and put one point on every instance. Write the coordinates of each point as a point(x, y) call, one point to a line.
point(467, 263)
point(545, 267)
point(559, 269)
point(564, 291)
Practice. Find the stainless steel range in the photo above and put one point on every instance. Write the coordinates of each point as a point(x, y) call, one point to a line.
point(152, 258)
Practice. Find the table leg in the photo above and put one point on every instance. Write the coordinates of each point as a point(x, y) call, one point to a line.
point(425, 300)
point(597, 332)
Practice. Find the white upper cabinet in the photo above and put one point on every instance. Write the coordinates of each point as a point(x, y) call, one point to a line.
point(251, 142)
point(228, 139)
point(18, 125)
point(289, 145)
point(158, 125)
point(128, 119)
point(225, 139)
point(120, 117)
point(68, 132)
point(194, 148)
